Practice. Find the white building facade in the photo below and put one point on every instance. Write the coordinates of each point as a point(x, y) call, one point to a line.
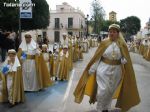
point(65, 19)
point(145, 33)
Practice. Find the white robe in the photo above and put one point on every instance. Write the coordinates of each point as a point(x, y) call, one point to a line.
point(9, 87)
point(29, 73)
point(9, 77)
point(65, 42)
point(108, 77)
point(85, 46)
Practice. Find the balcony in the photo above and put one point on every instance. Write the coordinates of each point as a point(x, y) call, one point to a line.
point(73, 28)
point(56, 27)
point(70, 27)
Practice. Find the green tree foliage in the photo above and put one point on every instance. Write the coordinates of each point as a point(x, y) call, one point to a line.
point(9, 17)
point(107, 23)
point(130, 25)
point(98, 15)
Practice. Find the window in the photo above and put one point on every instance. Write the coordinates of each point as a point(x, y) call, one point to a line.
point(57, 36)
point(57, 22)
point(81, 24)
point(70, 22)
point(61, 8)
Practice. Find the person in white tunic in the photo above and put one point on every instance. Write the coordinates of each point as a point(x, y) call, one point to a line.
point(108, 76)
point(65, 39)
point(29, 49)
point(106, 66)
point(45, 63)
point(46, 55)
point(12, 88)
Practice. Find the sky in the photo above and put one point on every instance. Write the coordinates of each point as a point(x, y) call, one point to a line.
point(123, 8)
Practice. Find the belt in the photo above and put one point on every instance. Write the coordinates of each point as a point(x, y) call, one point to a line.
point(30, 56)
point(111, 62)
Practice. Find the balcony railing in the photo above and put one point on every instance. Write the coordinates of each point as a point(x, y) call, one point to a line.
point(73, 28)
point(70, 26)
point(57, 27)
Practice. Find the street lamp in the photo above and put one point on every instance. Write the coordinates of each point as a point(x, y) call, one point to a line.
point(87, 25)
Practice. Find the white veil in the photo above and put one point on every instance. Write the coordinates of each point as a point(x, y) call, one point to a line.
point(15, 65)
point(31, 46)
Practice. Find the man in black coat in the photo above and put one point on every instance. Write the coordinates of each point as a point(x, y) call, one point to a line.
point(5, 44)
point(2, 45)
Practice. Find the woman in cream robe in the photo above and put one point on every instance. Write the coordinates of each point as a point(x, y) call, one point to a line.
point(46, 64)
point(95, 42)
point(12, 89)
point(55, 63)
point(85, 45)
point(63, 68)
point(80, 52)
point(79, 49)
point(145, 48)
point(113, 75)
point(70, 51)
point(141, 47)
point(75, 50)
point(29, 69)
point(46, 56)
point(147, 54)
point(34, 74)
point(65, 39)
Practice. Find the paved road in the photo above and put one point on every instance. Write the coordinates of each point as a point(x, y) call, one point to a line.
point(59, 98)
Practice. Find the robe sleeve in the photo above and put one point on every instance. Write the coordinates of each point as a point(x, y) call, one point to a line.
point(38, 51)
point(93, 68)
point(123, 60)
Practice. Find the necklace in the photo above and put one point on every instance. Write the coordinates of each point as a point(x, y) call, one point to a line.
point(113, 52)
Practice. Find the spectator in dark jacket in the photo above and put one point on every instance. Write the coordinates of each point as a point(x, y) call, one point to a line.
point(5, 44)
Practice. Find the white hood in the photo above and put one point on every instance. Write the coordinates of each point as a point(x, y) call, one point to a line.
point(31, 46)
point(15, 65)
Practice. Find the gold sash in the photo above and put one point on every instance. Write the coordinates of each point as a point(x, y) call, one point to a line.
point(111, 62)
point(30, 56)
